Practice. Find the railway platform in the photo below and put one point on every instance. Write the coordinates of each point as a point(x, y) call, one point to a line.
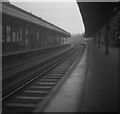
point(92, 86)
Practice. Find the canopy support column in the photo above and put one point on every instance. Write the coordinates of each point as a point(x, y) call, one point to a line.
point(95, 37)
point(107, 39)
point(98, 40)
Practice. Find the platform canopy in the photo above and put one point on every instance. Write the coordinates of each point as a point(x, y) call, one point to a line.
point(95, 15)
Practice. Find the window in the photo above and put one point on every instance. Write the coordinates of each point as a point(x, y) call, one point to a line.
point(37, 36)
point(21, 33)
point(8, 33)
point(26, 31)
point(3, 33)
point(26, 38)
point(17, 35)
point(14, 35)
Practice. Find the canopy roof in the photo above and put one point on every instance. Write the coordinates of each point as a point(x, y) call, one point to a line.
point(95, 15)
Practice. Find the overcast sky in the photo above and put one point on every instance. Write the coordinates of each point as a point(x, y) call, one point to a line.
point(66, 15)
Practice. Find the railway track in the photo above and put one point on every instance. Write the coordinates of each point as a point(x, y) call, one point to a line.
point(38, 90)
point(14, 81)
